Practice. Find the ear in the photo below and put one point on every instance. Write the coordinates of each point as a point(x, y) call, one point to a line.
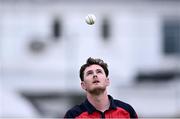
point(83, 86)
point(107, 81)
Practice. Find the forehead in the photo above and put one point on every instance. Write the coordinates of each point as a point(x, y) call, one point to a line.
point(93, 67)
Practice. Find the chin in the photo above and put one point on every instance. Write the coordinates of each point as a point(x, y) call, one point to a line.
point(97, 90)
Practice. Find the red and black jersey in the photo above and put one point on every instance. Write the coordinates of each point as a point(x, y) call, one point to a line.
point(117, 109)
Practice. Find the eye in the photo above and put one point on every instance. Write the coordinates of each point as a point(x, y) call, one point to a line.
point(89, 73)
point(99, 71)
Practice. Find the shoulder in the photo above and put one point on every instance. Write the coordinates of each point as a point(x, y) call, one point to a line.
point(75, 111)
point(126, 107)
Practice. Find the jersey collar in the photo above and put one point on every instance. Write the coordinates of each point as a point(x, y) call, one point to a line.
point(90, 108)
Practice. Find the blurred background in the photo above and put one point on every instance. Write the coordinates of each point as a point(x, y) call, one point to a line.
point(43, 43)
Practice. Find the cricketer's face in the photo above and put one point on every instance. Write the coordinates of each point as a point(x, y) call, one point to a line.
point(95, 80)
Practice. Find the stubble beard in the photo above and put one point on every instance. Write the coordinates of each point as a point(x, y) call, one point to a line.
point(97, 90)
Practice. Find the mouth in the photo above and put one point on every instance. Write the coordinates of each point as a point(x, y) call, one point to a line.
point(96, 81)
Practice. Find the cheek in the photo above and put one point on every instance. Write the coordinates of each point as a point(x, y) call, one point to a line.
point(87, 82)
point(88, 78)
point(102, 77)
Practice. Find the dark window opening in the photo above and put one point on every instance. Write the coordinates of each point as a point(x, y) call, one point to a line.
point(105, 29)
point(56, 29)
point(171, 33)
point(156, 76)
point(37, 46)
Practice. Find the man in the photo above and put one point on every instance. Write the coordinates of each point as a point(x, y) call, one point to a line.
point(94, 80)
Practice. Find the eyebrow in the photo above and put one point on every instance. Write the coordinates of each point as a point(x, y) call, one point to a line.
point(98, 69)
point(89, 71)
point(95, 70)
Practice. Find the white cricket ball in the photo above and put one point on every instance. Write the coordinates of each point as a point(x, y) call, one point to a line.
point(90, 19)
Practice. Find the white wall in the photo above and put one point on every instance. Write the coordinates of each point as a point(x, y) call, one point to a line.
point(135, 43)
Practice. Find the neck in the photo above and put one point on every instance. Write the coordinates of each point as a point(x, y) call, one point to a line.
point(100, 102)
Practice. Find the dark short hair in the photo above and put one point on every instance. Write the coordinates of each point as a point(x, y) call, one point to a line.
point(91, 61)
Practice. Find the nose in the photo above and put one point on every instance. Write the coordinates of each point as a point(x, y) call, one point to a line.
point(95, 75)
